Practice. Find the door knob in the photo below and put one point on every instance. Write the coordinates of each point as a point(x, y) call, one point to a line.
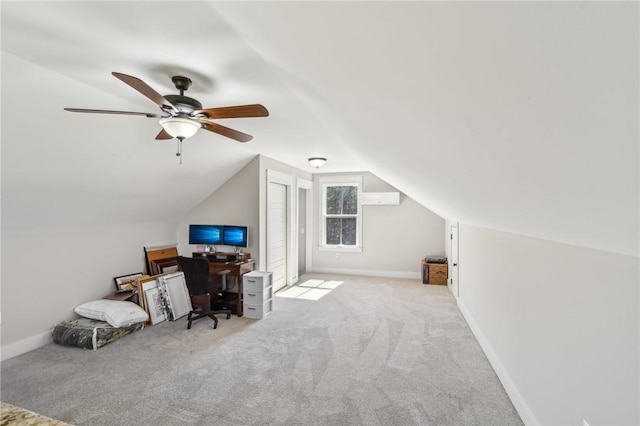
point(455, 264)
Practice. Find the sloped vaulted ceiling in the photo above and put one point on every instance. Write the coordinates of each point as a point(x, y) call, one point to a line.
point(514, 116)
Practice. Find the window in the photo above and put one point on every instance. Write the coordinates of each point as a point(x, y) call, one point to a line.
point(341, 214)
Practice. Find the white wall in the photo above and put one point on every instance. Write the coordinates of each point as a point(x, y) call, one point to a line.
point(395, 238)
point(559, 323)
point(46, 272)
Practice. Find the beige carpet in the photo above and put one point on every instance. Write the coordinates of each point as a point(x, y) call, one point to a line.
point(372, 351)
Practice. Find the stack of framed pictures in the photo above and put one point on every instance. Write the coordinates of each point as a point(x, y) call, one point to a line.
point(161, 260)
point(165, 297)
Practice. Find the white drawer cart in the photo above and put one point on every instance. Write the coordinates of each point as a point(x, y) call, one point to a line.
point(257, 294)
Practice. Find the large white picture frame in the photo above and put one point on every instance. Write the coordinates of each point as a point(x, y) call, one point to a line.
point(175, 289)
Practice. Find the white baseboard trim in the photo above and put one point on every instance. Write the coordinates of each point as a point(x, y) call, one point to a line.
point(367, 273)
point(518, 401)
point(25, 345)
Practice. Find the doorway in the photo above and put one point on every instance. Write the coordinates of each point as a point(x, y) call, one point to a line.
point(304, 227)
point(302, 231)
point(453, 267)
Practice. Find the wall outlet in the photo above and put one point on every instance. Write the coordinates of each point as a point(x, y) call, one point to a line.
point(337, 255)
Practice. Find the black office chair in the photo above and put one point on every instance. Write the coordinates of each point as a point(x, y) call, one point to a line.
point(202, 291)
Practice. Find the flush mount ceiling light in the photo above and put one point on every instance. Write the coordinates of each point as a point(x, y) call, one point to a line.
point(180, 127)
point(317, 162)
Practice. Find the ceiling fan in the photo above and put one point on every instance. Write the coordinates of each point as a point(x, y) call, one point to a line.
point(184, 116)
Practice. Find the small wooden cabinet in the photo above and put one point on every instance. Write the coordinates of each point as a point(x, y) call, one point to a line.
point(434, 273)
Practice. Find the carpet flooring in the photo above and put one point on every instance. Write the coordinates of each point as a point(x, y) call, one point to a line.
point(372, 351)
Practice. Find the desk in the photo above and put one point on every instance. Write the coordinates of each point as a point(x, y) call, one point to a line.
point(237, 270)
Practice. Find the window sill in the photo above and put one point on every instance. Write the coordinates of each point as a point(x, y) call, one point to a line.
point(341, 249)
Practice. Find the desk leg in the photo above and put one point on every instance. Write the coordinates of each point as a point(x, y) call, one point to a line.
point(243, 269)
point(239, 307)
point(236, 285)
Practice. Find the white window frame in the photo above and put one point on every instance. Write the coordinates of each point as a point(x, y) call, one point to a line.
point(325, 182)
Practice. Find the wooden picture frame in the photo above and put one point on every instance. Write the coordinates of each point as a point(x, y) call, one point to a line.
point(165, 266)
point(158, 253)
point(127, 282)
point(143, 283)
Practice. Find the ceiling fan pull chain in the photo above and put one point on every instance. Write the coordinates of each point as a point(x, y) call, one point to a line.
point(179, 153)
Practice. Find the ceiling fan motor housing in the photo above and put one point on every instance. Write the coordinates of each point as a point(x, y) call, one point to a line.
point(184, 103)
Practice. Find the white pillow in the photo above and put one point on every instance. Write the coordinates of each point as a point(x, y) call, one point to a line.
point(117, 313)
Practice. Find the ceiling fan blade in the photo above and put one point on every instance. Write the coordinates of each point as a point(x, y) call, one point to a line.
point(105, 111)
point(240, 111)
point(163, 135)
point(225, 131)
point(146, 90)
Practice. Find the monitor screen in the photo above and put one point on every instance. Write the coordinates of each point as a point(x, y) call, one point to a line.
point(236, 236)
point(210, 235)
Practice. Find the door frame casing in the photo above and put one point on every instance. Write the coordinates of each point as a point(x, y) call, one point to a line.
point(306, 185)
point(454, 253)
point(274, 176)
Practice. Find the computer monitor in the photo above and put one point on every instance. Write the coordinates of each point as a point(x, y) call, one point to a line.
point(237, 236)
point(208, 235)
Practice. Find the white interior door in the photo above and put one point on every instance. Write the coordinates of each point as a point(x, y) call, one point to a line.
point(453, 266)
point(277, 233)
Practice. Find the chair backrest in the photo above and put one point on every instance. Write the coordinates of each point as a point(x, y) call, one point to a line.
point(196, 273)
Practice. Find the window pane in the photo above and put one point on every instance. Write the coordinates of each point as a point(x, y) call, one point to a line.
point(341, 231)
point(342, 200)
point(334, 200)
point(349, 231)
point(334, 230)
point(350, 200)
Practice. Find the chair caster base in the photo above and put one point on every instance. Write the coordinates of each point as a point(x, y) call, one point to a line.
point(197, 315)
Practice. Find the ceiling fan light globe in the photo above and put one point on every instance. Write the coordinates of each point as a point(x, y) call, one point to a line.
point(180, 127)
